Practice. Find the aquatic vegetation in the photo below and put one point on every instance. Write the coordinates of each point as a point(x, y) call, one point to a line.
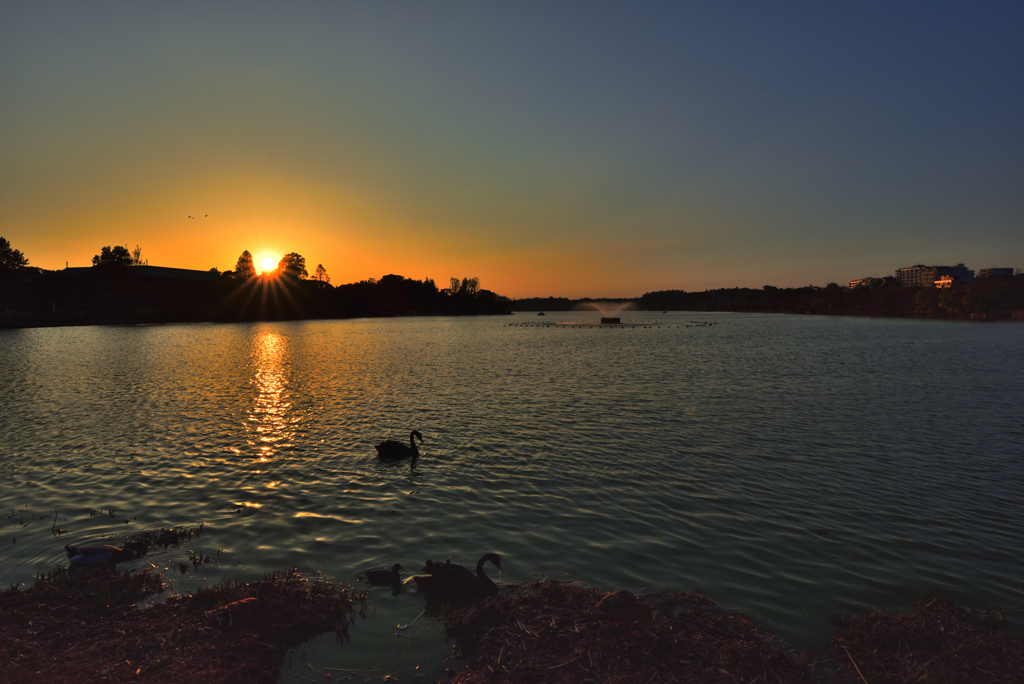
point(86, 621)
point(554, 632)
point(934, 642)
point(169, 536)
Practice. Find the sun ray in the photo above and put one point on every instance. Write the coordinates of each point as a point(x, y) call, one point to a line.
point(267, 262)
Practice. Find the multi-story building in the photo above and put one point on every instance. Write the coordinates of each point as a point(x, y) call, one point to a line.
point(872, 283)
point(925, 276)
point(995, 273)
point(915, 276)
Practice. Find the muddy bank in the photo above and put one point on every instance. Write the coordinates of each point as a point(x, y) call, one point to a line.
point(81, 625)
point(551, 632)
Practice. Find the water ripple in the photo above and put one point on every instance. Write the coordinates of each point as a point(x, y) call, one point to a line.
point(790, 467)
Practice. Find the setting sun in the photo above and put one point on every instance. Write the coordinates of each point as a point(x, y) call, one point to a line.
point(267, 264)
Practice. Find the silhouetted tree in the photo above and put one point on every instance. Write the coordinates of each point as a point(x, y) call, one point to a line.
point(467, 287)
point(294, 265)
point(926, 301)
point(113, 256)
point(13, 266)
point(137, 257)
point(244, 268)
point(321, 274)
point(11, 259)
point(466, 297)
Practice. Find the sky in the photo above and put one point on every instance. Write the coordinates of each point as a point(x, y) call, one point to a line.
point(576, 149)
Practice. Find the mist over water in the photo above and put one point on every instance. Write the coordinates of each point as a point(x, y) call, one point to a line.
point(606, 308)
point(788, 467)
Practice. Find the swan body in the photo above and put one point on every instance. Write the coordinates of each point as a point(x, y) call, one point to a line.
point(393, 449)
point(457, 581)
point(94, 555)
point(384, 576)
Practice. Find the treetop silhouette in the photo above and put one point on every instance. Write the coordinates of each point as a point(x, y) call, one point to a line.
point(113, 256)
point(11, 259)
point(293, 264)
point(244, 268)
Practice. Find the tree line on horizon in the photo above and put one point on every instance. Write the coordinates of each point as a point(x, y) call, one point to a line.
point(292, 264)
point(113, 290)
point(995, 296)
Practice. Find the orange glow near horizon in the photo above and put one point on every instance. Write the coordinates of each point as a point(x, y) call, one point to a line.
point(268, 264)
point(362, 139)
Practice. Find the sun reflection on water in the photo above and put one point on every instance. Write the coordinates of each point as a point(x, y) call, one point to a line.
point(268, 422)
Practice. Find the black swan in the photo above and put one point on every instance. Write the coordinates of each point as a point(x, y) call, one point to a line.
point(457, 581)
point(393, 449)
point(94, 555)
point(383, 576)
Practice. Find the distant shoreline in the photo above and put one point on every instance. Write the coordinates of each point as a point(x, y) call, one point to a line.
point(17, 321)
point(120, 295)
point(981, 299)
point(128, 301)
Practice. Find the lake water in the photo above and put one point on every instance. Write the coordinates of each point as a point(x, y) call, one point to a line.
point(788, 467)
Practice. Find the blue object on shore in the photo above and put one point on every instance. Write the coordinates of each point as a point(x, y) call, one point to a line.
point(94, 555)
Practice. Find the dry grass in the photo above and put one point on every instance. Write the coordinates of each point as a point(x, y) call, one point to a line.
point(81, 626)
point(553, 632)
point(936, 642)
point(168, 536)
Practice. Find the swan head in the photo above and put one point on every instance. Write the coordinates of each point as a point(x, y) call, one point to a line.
point(417, 435)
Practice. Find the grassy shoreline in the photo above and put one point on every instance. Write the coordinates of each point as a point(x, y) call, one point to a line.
point(82, 625)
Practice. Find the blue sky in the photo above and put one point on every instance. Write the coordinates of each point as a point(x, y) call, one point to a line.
point(573, 149)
